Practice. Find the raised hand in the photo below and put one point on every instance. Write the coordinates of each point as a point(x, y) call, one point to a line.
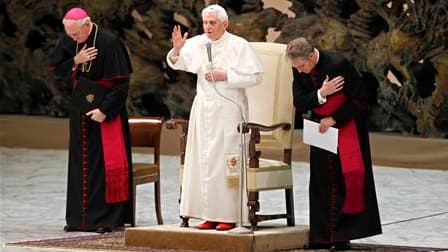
point(177, 39)
point(331, 86)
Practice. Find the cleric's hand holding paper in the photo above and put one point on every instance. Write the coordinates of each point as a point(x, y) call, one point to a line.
point(327, 141)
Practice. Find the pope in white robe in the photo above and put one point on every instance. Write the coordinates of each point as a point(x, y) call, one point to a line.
point(220, 104)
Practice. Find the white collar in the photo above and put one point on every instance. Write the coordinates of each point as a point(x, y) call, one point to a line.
point(317, 56)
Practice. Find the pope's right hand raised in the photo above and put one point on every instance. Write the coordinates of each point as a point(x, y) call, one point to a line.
point(177, 39)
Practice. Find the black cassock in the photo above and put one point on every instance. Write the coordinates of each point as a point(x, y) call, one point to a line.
point(328, 223)
point(87, 207)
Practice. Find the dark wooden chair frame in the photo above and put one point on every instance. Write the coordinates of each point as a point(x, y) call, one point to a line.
point(145, 131)
point(254, 162)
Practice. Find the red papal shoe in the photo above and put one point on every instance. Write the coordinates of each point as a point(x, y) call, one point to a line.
point(223, 226)
point(207, 225)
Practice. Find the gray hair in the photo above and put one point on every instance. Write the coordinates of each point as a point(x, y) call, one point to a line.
point(80, 21)
point(299, 48)
point(222, 14)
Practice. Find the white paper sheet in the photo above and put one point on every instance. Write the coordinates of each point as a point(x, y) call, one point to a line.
point(327, 141)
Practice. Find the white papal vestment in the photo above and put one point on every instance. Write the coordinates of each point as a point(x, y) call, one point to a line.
point(212, 131)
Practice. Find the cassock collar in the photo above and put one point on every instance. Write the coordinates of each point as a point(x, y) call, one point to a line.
point(318, 56)
point(319, 61)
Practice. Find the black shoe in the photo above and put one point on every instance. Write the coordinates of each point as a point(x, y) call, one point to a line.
point(343, 245)
point(67, 228)
point(102, 230)
point(315, 245)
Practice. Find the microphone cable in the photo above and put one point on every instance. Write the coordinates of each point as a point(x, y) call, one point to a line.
point(415, 218)
point(243, 140)
point(223, 96)
point(208, 46)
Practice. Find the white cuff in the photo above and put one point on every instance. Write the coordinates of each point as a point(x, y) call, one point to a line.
point(173, 56)
point(321, 99)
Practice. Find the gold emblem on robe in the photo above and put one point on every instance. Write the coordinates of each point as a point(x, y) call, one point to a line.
point(90, 98)
point(232, 171)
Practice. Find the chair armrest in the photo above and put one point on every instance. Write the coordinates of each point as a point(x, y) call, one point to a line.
point(255, 128)
point(260, 127)
point(174, 123)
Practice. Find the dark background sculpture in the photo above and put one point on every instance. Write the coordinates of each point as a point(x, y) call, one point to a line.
point(399, 47)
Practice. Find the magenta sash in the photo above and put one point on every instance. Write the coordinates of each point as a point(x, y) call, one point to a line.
point(350, 156)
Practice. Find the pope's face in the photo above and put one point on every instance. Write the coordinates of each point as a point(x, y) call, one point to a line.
point(76, 31)
point(213, 26)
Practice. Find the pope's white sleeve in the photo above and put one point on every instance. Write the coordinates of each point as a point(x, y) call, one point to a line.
point(185, 60)
point(236, 80)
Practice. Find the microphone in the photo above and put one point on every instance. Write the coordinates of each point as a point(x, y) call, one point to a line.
point(208, 45)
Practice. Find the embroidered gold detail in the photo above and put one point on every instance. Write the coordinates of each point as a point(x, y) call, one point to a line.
point(233, 182)
point(232, 163)
point(232, 176)
point(90, 98)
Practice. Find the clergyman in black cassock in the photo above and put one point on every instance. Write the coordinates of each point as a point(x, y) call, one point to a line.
point(99, 190)
point(343, 203)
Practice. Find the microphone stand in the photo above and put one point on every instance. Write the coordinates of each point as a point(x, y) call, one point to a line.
point(239, 229)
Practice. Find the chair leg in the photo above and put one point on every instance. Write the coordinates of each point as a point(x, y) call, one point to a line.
point(134, 193)
point(157, 201)
point(184, 221)
point(289, 197)
point(254, 207)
